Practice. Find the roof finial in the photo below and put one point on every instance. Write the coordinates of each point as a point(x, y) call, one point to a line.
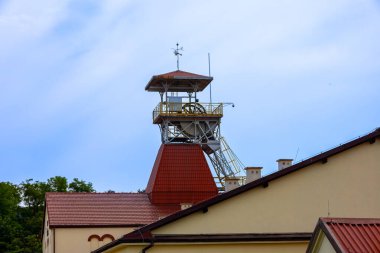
point(177, 53)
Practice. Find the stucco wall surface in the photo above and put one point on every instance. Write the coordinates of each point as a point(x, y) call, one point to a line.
point(47, 237)
point(294, 247)
point(75, 240)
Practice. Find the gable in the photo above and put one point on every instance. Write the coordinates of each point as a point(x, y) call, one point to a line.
point(346, 235)
point(345, 185)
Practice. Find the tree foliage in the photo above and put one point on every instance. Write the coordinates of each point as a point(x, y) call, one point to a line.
point(58, 184)
point(80, 186)
point(22, 209)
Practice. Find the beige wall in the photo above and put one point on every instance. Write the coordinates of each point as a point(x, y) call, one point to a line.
point(322, 244)
point(75, 240)
point(135, 248)
point(346, 186)
point(326, 246)
point(274, 247)
point(47, 237)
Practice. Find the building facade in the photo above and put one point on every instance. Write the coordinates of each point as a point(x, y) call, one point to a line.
point(276, 213)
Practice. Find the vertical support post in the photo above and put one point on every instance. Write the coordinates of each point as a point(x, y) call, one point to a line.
point(195, 87)
point(162, 101)
point(166, 131)
point(196, 123)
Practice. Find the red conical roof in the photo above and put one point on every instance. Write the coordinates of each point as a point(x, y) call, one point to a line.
point(178, 81)
point(180, 175)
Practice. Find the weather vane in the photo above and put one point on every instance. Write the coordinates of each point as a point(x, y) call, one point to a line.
point(177, 53)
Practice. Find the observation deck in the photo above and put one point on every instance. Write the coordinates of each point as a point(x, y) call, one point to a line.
point(187, 111)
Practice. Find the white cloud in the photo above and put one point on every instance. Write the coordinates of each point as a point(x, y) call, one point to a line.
point(72, 75)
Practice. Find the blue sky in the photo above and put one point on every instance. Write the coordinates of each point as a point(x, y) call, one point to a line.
point(303, 75)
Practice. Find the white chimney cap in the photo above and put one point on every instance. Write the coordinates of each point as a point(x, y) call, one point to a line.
point(231, 183)
point(284, 160)
point(284, 163)
point(253, 168)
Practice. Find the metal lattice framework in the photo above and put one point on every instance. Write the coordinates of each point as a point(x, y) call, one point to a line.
point(190, 131)
point(225, 162)
point(199, 123)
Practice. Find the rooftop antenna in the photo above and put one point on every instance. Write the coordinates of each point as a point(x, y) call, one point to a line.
point(177, 53)
point(209, 74)
point(298, 149)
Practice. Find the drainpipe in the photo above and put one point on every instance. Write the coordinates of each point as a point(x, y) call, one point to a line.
point(148, 247)
point(53, 240)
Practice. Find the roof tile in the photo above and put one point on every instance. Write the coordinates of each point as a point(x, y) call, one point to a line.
point(354, 235)
point(180, 175)
point(100, 209)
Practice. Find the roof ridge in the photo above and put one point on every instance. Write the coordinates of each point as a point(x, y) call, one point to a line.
point(95, 193)
point(184, 72)
point(361, 221)
point(376, 130)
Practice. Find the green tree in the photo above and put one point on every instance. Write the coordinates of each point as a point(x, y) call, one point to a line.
point(30, 215)
point(80, 186)
point(58, 184)
point(22, 210)
point(33, 194)
point(9, 203)
point(9, 198)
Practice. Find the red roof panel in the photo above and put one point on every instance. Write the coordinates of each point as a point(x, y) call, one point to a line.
point(180, 73)
point(180, 175)
point(354, 235)
point(178, 81)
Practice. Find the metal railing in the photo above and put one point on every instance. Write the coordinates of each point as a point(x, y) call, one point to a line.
point(187, 109)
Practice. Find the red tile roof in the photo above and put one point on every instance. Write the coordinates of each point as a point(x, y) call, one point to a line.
point(100, 209)
point(180, 175)
point(167, 209)
point(351, 235)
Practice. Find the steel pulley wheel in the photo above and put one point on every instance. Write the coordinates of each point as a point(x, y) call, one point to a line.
point(194, 108)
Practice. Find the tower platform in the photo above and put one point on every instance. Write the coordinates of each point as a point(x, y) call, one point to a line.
point(187, 111)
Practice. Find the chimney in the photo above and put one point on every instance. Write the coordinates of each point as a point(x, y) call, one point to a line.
point(231, 183)
point(252, 173)
point(284, 163)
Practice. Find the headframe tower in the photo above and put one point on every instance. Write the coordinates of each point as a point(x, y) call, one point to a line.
point(183, 119)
